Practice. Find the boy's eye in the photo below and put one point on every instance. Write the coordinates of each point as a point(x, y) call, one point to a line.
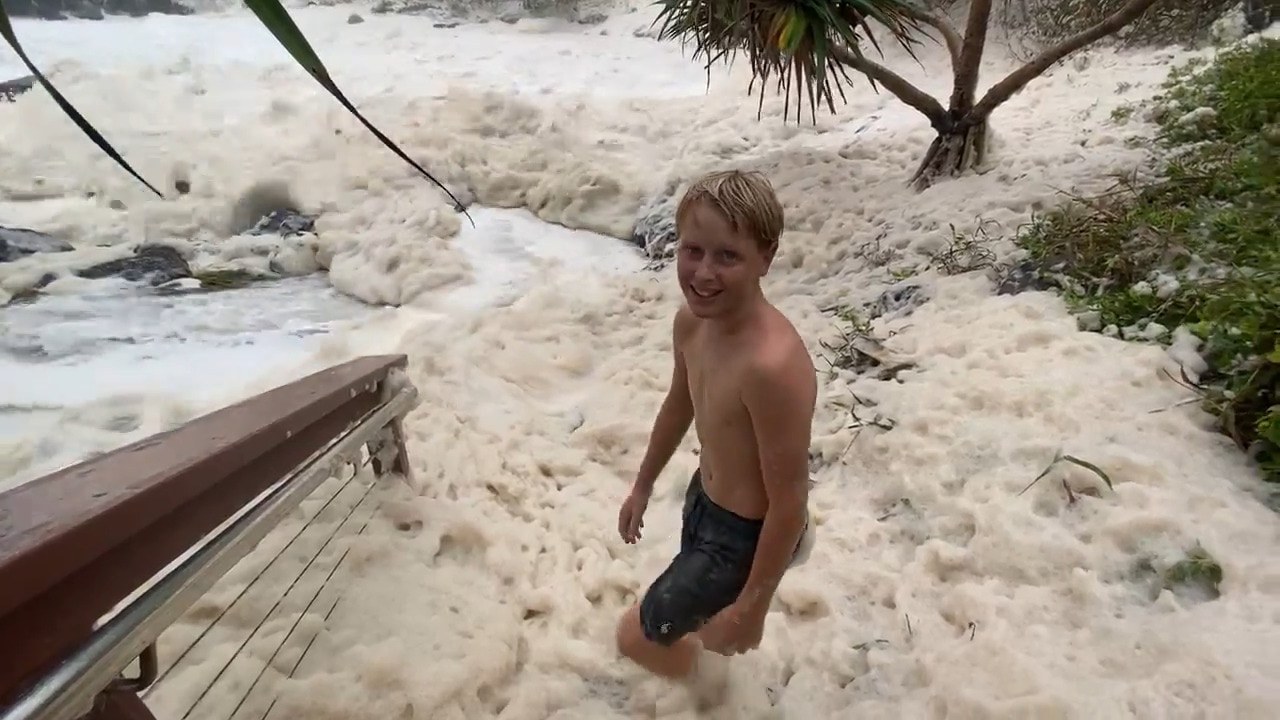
point(728, 255)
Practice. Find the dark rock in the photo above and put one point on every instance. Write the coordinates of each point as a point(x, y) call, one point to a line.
point(354, 19)
point(154, 264)
point(86, 11)
point(18, 243)
point(157, 264)
point(1259, 14)
point(39, 9)
point(655, 228)
point(10, 89)
point(92, 9)
point(405, 7)
point(448, 12)
point(900, 300)
point(445, 25)
point(1024, 276)
point(285, 223)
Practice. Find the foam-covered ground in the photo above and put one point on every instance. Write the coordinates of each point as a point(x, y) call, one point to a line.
point(490, 589)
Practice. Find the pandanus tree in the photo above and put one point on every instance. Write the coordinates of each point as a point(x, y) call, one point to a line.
point(280, 24)
point(809, 46)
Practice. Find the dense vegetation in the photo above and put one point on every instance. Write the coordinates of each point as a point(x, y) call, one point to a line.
point(1198, 248)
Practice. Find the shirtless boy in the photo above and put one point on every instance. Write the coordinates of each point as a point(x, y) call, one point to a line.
point(743, 375)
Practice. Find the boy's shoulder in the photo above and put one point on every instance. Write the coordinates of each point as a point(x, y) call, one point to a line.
point(781, 349)
point(684, 322)
point(780, 380)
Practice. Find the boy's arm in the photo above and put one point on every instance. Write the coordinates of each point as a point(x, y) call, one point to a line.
point(676, 413)
point(780, 398)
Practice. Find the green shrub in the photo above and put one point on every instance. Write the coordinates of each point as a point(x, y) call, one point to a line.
point(1198, 248)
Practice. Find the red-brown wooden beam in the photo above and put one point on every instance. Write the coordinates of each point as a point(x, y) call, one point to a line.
point(75, 543)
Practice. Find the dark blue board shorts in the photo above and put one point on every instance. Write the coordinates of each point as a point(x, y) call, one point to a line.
point(717, 548)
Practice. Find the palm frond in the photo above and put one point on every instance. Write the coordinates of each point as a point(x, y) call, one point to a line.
point(6, 32)
point(791, 41)
point(278, 21)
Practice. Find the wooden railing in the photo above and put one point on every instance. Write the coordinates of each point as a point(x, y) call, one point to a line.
point(97, 559)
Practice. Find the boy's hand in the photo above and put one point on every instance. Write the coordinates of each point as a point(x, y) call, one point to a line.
point(733, 630)
point(631, 516)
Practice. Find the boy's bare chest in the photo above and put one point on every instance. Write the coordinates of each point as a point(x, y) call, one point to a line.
point(715, 386)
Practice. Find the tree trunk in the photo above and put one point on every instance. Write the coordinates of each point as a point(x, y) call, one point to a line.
point(1259, 14)
point(962, 128)
point(956, 149)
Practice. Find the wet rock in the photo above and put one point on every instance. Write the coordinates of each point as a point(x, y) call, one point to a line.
point(40, 9)
point(18, 243)
point(405, 7)
point(10, 89)
point(484, 11)
point(269, 199)
point(85, 11)
point(354, 19)
point(1022, 277)
point(1259, 14)
point(285, 222)
point(155, 264)
point(92, 9)
point(655, 228)
point(295, 253)
point(899, 300)
point(158, 265)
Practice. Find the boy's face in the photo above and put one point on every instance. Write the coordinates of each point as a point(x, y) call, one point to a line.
point(719, 269)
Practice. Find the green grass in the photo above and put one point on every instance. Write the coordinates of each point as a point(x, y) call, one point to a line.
point(227, 279)
point(1198, 248)
point(1197, 575)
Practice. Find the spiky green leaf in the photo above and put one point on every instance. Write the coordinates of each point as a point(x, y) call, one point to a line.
point(1091, 468)
point(280, 24)
point(6, 31)
point(791, 40)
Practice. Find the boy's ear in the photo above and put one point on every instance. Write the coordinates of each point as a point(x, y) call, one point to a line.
point(769, 254)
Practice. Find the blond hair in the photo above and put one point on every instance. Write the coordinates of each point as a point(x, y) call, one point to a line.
point(745, 199)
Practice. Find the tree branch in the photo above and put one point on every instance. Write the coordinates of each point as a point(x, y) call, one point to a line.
point(898, 86)
point(966, 70)
point(949, 34)
point(1018, 79)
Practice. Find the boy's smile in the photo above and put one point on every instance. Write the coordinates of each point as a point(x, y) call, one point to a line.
point(719, 266)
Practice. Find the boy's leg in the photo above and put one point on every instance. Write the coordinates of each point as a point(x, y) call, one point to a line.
point(684, 661)
point(669, 659)
point(659, 632)
point(716, 549)
point(675, 660)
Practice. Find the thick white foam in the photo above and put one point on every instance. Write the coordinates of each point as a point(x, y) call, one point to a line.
point(96, 364)
point(500, 592)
